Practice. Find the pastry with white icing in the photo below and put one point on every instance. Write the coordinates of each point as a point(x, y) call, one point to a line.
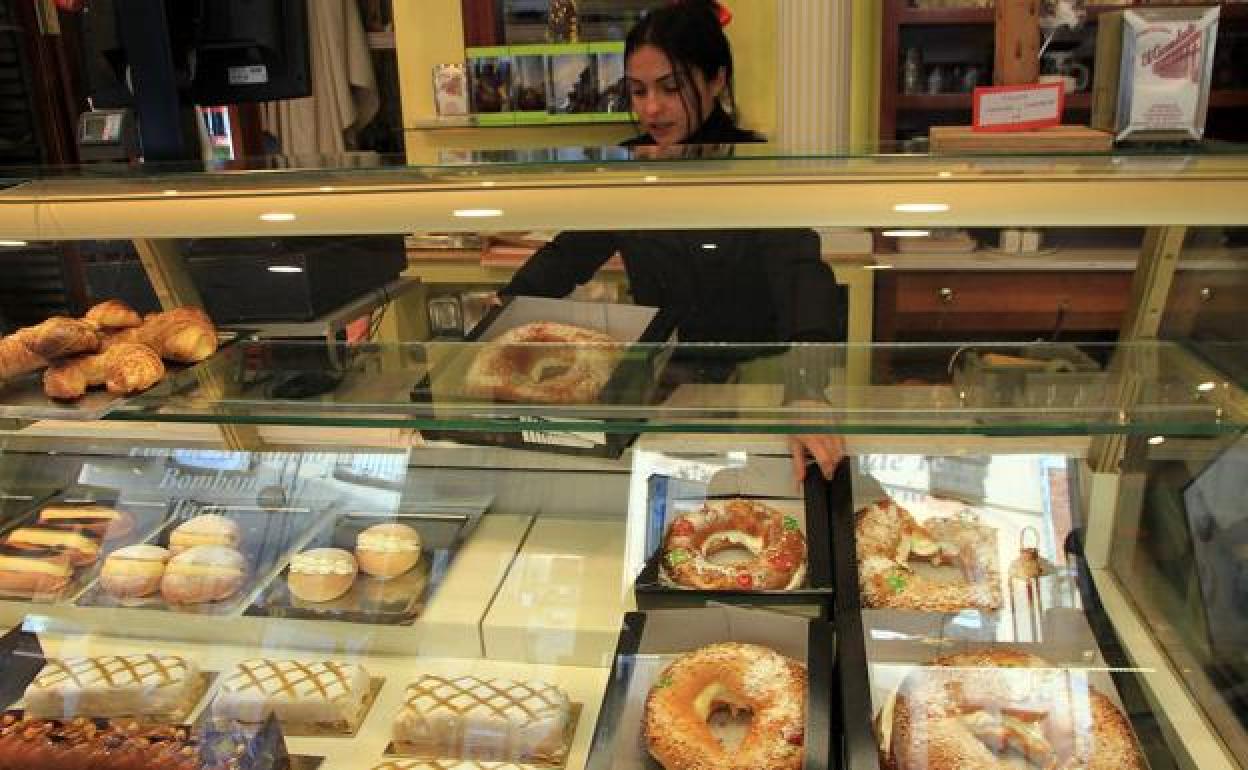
point(324, 694)
point(488, 719)
point(157, 686)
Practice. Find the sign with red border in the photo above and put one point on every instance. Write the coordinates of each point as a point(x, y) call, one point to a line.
point(1018, 108)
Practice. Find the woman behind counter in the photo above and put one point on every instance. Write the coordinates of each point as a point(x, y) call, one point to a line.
point(730, 286)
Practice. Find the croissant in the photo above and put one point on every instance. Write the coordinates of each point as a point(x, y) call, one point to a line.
point(186, 335)
point(58, 337)
point(132, 369)
point(125, 368)
point(17, 359)
point(113, 314)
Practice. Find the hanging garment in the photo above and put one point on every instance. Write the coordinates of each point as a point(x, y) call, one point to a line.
point(344, 87)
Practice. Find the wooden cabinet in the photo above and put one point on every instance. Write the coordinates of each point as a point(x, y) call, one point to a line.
point(951, 40)
point(963, 306)
point(922, 305)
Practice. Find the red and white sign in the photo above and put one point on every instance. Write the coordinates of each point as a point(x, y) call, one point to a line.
point(1018, 108)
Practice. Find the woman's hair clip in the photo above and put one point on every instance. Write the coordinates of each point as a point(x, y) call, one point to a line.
point(721, 11)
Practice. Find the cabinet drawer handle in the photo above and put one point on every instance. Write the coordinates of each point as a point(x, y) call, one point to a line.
point(946, 295)
point(1206, 294)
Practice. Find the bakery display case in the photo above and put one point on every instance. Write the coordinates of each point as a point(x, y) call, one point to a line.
point(576, 539)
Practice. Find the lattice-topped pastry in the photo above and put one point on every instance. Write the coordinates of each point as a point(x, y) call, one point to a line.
point(113, 686)
point(489, 719)
point(325, 694)
point(448, 764)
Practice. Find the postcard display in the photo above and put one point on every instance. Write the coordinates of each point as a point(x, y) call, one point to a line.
point(526, 83)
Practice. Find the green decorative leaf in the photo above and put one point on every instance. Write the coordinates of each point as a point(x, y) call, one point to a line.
point(790, 524)
point(678, 557)
point(664, 681)
point(896, 582)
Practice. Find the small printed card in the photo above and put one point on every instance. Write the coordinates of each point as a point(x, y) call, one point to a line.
point(1019, 108)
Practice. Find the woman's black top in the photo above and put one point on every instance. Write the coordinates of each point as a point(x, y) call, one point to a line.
point(731, 286)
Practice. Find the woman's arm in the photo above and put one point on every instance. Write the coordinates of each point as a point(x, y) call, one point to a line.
point(560, 266)
point(810, 307)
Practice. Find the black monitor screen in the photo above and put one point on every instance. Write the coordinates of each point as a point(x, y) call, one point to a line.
point(251, 51)
point(223, 51)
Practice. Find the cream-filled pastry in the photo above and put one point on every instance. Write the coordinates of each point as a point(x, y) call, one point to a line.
point(387, 550)
point(108, 523)
point(134, 571)
point(82, 549)
point(206, 529)
point(321, 574)
point(34, 572)
point(205, 573)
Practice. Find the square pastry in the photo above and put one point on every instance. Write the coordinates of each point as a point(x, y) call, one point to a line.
point(325, 694)
point(489, 719)
point(113, 686)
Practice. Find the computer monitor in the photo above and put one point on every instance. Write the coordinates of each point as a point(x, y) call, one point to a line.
point(250, 51)
point(223, 51)
point(161, 57)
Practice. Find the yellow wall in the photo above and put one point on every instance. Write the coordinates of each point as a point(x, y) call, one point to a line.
point(430, 32)
point(753, 34)
point(864, 127)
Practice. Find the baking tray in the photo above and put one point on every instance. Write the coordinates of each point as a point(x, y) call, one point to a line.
point(641, 331)
point(147, 517)
point(649, 641)
point(398, 601)
point(267, 535)
point(813, 599)
point(22, 398)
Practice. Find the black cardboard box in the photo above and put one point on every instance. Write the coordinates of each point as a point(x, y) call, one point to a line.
point(812, 599)
point(649, 641)
point(644, 330)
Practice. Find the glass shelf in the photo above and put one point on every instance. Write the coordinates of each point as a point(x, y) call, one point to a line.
point(598, 165)
point(1145, 389)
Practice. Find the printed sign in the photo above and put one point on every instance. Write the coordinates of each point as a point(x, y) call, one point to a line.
point(1018, 108)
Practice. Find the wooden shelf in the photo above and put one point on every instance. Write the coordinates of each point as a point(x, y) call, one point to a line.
point(962, 101)
point(1228, 97)
point(919, 16)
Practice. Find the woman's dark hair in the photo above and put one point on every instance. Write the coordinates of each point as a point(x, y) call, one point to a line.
point(690, 35)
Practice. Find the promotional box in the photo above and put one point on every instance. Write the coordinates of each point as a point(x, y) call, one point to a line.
point(1154, 70)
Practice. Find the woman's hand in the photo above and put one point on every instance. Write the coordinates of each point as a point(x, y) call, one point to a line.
point(827, 450)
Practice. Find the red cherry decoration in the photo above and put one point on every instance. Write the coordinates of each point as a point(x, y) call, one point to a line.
point(796, 738)
point(745, 580)
point(682, 528)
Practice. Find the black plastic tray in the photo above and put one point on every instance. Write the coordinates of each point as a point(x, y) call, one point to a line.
point(397, 601)
point(267, 536)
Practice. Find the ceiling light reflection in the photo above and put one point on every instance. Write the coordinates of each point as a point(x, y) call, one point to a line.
point(921, 208)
